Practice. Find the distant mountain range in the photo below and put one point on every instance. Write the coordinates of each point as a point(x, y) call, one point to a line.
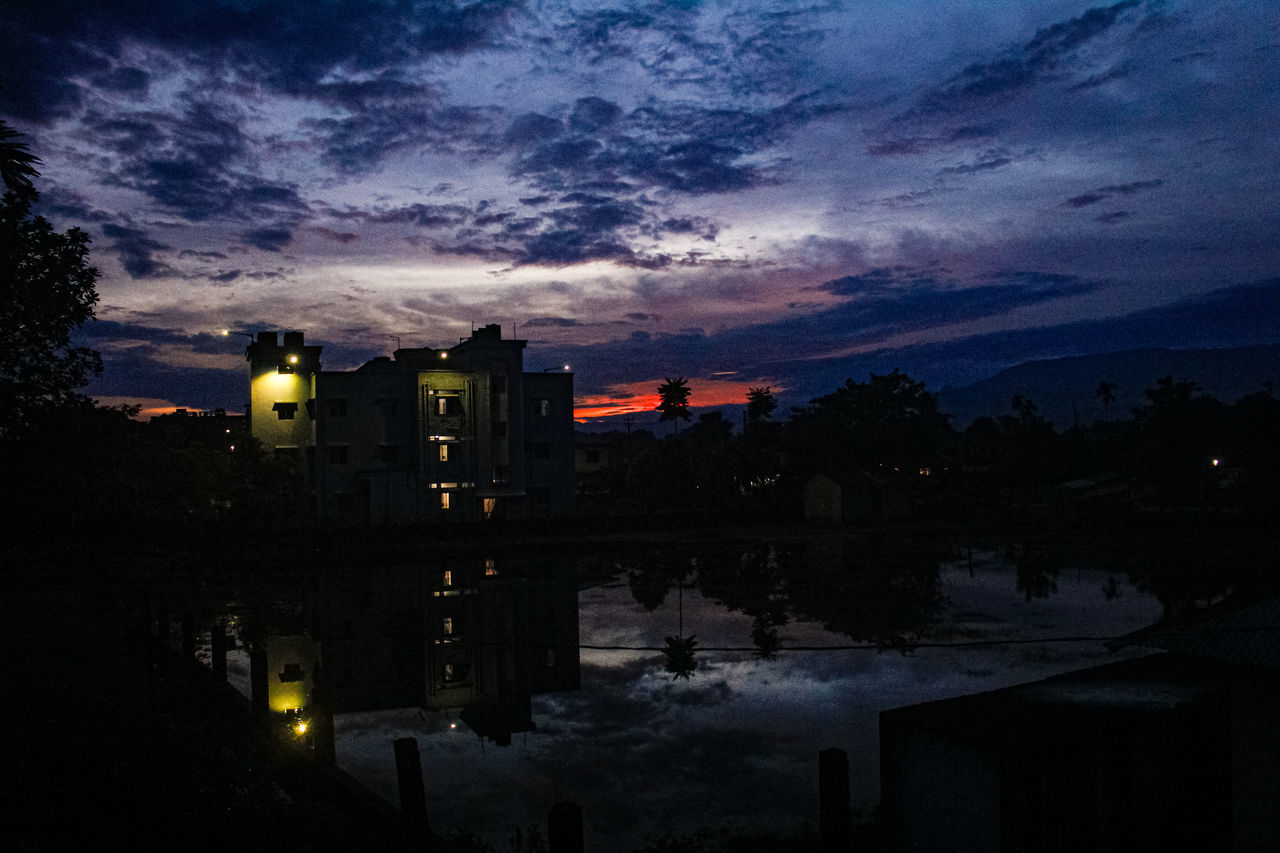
point(1065, 388)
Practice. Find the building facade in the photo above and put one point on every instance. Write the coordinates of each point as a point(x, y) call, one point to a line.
point(459, 433)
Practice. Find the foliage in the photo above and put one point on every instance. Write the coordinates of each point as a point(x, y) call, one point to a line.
point(890, 421)
point(680, 656)
point(674, 400)
point(47, 290)
point(760, 405)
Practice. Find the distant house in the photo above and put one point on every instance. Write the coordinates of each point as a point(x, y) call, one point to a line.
point(457, 433)
point(855, 497)
point(1177, 750)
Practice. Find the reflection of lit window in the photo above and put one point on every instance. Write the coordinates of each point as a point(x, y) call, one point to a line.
point(442, 406)
point(490, 567)
point(448, 578)
point(448, 624)
point(444, 500)
point(448, 672)
point(444, 453)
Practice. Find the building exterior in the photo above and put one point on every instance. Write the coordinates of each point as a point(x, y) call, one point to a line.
point(459, 433)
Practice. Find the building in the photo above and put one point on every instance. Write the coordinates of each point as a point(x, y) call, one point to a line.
point(457, 433)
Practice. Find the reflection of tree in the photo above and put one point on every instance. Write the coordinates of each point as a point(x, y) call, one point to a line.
point(1037, 577)
point(649, 585)
point(679, 652)
point(764, 634)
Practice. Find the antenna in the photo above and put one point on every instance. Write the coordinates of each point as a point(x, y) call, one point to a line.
point(395, 338)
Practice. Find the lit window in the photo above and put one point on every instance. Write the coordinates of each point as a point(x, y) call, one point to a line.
point(448, 578)
point(444, 500)
point(285, 411)
point(442, 406)
point(448, 625)
point(490, 567)
point(490, 505)
point(444, 453)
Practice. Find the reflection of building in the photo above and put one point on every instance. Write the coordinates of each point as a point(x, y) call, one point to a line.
point(472, 638)
point(291, 665)
point(460, 433)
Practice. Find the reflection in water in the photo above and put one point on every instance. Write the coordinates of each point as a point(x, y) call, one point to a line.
point(463, 644)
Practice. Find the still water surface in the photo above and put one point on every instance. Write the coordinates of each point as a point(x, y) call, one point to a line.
point(736, 744)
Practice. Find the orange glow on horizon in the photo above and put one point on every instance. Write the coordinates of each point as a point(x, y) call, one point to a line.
point(642, 397)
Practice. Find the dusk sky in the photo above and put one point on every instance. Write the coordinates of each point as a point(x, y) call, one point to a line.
point(740, 192)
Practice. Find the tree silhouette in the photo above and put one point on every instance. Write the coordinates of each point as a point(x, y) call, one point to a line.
point(760, 404)
point(674, 403)
point(47, 289)
point(1106, 394)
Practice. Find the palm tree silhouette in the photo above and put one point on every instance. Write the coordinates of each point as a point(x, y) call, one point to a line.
point(1106, 394)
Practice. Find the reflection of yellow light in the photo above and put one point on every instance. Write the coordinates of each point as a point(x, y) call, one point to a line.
point(444, 355)
point(293, 359)
point(301, 727)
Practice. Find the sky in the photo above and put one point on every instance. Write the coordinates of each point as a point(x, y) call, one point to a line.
point(742, 193)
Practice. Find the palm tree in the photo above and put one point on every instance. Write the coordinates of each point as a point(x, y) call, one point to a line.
point(760, 404)
point(674, 405)
point(1106, 394)
point(17, 163)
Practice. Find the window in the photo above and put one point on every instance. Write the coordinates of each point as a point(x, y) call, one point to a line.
point(499, 429)
point(445, 500)
point(285, 411)
point(542, 408)
point(291, 672)
point(337, 408)
point(448, 672)
point(338, 454)
point(447, 627)
point(541, 450)
point(286, 453)
point(501, 473)
point(444, 453)
point(389, 453)
point(447, 580)
point(442, 405)
point(490, 567)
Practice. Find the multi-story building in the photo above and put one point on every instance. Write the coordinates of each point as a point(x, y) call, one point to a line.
point(457, 433)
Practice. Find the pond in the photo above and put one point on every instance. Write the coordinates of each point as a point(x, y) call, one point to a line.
point(527, 691)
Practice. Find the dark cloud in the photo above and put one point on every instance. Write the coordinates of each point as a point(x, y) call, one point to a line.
point(1031, 64)
point(268, 239)
point(985, 162)
point(135, 249)
point(1103, 193)
point(560, 322)
point(425, 215)
point(1114, 216)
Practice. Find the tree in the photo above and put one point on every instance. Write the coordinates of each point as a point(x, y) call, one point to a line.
point(760, 405)
point(1106, 394)
point(674, 404)
point(47, 290)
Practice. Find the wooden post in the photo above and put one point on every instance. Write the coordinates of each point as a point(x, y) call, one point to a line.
point(564, 828)
point(413, 794)
point(218, 643)
point(833, 796)
point(258, 682)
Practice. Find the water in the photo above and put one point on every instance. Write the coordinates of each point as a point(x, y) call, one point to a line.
point(736, 744)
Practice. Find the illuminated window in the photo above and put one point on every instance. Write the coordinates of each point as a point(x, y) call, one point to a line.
point(442, 406)
point(448, 625)
point(337, 408)
point(285, 411)
point(490, 505)
point(444, 500)
point(444, 453)
point(448, 578)
point(490, 567)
